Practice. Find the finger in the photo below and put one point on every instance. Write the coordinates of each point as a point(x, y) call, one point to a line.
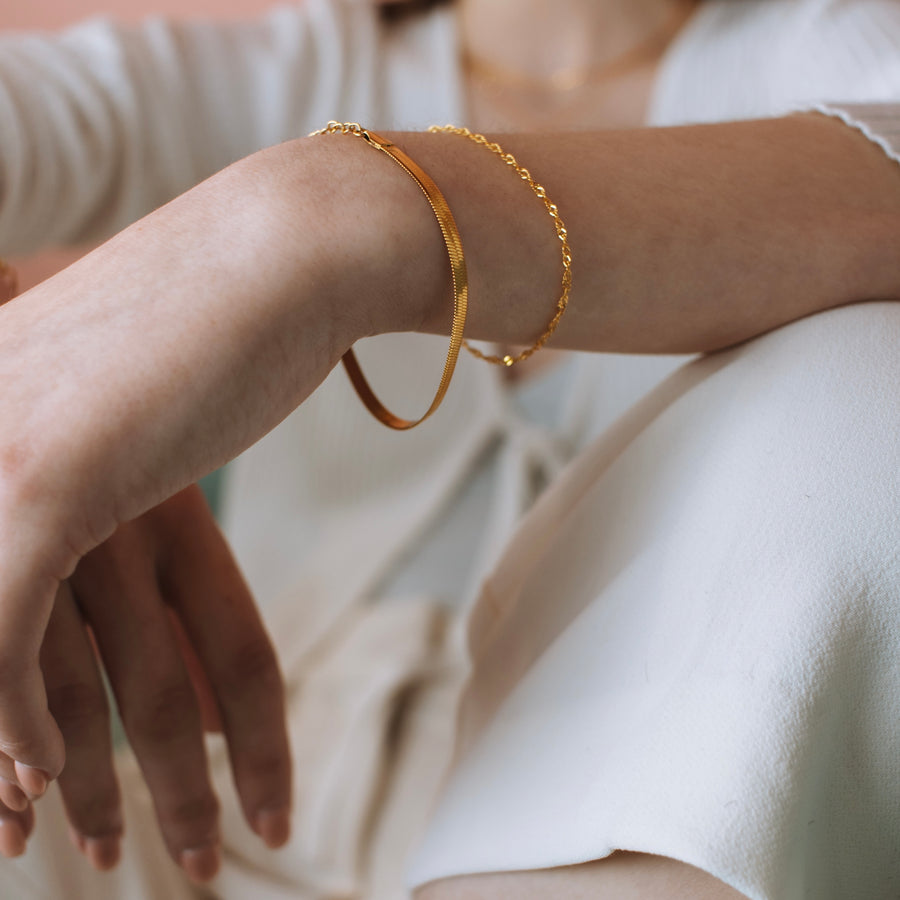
point(239, 662)
point(210, 714)
point(8, 778)
point(78, 702)
point(28, 733)
point(12, 796)
point(15, 828)
point(11, 792)
point(116, 589)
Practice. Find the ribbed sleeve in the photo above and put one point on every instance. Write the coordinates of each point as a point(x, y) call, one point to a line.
point(771, 57)
point(775, 57)
point(103, 123)
point(879, 122)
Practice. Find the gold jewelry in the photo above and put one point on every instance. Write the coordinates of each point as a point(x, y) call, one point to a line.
point(457, 271)
point(572, 78)
point(561, 233)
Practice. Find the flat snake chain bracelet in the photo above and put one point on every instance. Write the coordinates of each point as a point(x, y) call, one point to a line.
point(454, 247)
point(460, 278)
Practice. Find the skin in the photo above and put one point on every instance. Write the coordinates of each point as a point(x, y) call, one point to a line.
point(175, 670)
point(108, 375)
point(539, 40)
point(622, 876)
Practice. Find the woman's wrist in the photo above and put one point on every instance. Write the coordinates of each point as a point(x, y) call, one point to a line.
point(388, 262)
point(357, 219)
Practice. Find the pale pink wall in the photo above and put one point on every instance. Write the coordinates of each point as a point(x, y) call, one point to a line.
point(50, 14)
point(57, 13)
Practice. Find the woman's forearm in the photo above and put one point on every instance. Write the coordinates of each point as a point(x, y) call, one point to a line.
point(684, 239)
point(177, 344)
point(234, 301)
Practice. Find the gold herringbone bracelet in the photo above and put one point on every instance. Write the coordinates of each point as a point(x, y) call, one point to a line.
point(457, 268)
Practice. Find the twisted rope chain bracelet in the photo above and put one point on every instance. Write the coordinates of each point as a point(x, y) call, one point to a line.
point(453, 243)
point(561, 233)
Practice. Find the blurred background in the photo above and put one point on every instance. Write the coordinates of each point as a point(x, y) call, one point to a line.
point(53, 14)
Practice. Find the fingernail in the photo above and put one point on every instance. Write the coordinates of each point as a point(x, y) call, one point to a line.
point(11, 794)
point(201, 863)
point(33, 780)
point(12, 839)
point(274, 826)
point(103, 852)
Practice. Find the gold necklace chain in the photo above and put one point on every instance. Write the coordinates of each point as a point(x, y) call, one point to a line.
point(570, 79)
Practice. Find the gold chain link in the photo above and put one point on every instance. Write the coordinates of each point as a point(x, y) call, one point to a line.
point(561, 233)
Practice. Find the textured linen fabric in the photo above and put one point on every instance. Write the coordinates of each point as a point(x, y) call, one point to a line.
point(328, 511)
point(691, 646)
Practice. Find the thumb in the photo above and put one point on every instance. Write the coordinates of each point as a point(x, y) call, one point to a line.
point(28, 732)
point(30, 735)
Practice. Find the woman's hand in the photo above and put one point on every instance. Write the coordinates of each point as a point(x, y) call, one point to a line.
point(163, 608)
point(182, 645)
point(162, 605)
point(129, 375)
